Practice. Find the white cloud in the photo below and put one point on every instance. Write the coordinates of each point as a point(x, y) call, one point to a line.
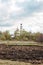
point(20, 1)
point(13, 7)
point(1, 5)
point(33, 23)
point(10, 6)
point(40, 0)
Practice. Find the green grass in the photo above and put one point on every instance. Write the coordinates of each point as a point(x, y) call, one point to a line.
point(9, 62)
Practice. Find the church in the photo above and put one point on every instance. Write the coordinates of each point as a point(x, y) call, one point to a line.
point(19, 32)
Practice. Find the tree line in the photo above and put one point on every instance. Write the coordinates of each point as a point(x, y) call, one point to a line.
point(23, 36)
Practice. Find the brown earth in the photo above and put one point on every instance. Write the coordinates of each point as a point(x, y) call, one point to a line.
point(33, 54)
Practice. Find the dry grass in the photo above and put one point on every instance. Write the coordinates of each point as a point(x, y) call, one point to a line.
point(9, 62)
point(21, 43)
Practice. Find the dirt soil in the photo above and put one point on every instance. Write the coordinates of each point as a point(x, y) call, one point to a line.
point(33, 54)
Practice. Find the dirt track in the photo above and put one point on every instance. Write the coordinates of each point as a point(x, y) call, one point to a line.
point(32, 54)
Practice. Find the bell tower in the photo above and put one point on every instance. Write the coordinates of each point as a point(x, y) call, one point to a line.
point(20, 26)
point(21, 29)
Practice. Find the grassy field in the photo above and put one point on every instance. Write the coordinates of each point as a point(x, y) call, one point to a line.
point(21, 43)
point(9, 62)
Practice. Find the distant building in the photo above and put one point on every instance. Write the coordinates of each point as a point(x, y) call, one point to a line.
point(12, 35)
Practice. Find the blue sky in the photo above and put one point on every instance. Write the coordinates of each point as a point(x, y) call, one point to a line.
point(27, 12)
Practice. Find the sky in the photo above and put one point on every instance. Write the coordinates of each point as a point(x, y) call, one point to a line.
point(27, 12)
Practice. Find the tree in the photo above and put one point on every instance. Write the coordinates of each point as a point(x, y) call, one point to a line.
point(2, 37)
point(40, 38)
point(7, 35)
